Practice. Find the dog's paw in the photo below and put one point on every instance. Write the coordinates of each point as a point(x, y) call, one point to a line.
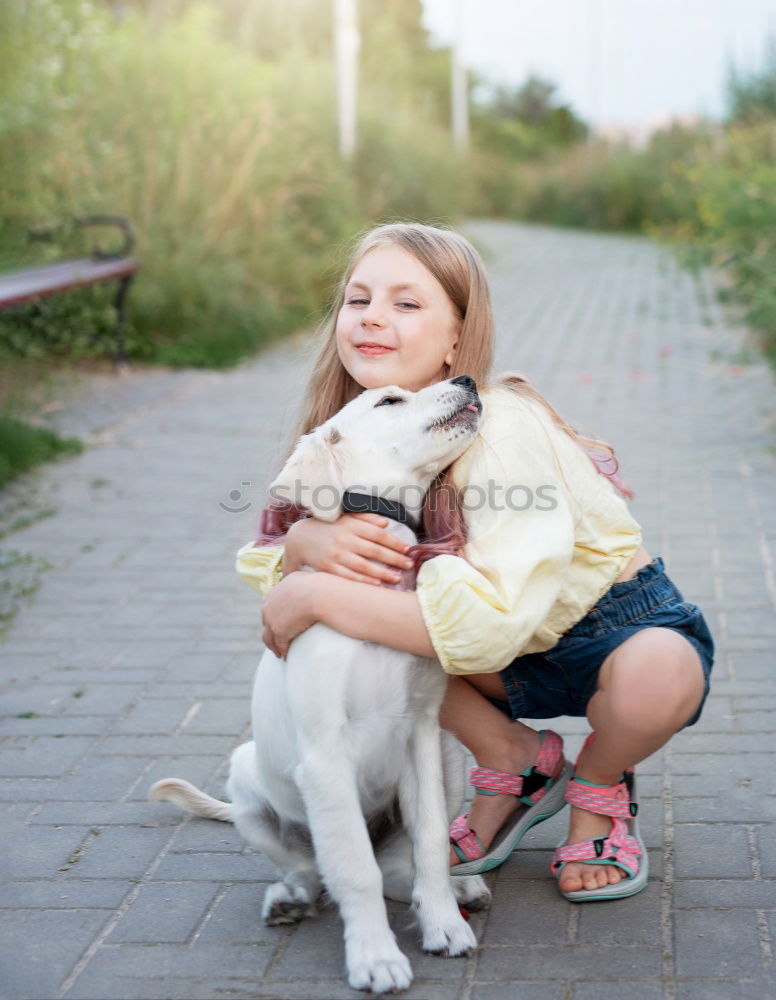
point(284, 905)
point(378, 970)
point(471, 892)
point(452, 940)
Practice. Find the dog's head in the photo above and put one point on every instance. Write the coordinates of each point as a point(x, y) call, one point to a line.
point(386, 442)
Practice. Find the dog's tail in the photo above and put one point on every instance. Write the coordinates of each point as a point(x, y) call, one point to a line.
point(188, 797)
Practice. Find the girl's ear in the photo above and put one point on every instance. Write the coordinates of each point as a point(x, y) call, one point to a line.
point(310, 478)
point(450, 356)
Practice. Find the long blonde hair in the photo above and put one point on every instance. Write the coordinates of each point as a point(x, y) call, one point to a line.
point(458, 268)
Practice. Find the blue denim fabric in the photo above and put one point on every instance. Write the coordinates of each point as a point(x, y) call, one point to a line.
point(562, 680)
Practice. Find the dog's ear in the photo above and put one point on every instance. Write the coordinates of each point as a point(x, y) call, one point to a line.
point(311, 477)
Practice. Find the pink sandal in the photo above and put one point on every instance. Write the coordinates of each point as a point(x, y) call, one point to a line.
point(535, 787)
point(623, 848)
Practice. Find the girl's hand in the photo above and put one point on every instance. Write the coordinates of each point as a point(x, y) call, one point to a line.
point(288, 611)
point(355, 546)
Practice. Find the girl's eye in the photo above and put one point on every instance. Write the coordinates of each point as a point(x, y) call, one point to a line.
point(389, 401)
point(409, 305)
point(358, 302)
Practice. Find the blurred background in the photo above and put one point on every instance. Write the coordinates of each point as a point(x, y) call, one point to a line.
point(247, 141)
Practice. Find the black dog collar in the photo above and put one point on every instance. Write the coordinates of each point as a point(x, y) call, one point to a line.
point(364, 503)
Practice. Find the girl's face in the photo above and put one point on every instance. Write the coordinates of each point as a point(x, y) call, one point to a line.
point(397, 325)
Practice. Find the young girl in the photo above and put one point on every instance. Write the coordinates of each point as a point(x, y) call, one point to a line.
point(541, 601)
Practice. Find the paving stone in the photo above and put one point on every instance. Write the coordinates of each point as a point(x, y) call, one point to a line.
point(724, 893)
point(522, 913)
point(155, 715)
point(208, 837)
point(538, 990)
point(637, 919)
point(711, 850)
point(218, 867)
point(101, 814)
point(98, 779)
point(196, 666)
point(103, 699)
point(39, 947)
point(731, 989)
point(122, 852)
point(64, 895)
point(228, 716)
point(616, 991)
point(742, 805)
point(134, 745)
point(711, 945)
point(39, 852)
point(170, 972)
point(22, 789)
point(236, 919)
point(56, 725)
point(164, 913)
point(44, 756)
point(568, 962)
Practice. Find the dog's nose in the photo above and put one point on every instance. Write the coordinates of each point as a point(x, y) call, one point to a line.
point(465, 381)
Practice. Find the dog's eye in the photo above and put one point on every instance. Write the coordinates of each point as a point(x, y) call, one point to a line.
point(389, 401)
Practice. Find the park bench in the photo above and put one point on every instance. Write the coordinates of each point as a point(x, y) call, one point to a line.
point(25, 287)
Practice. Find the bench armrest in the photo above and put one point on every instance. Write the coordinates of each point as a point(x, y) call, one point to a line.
point(44, 233)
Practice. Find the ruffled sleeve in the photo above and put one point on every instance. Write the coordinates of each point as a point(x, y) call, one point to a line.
point(262, 567)
point(483, 609)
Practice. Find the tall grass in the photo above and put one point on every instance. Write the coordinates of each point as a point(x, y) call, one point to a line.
point(226, 165)
point(221, 150)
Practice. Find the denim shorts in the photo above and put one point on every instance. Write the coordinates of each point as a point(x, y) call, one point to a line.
point(562, 680)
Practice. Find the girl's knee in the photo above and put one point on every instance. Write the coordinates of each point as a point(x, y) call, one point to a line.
point(656, 673)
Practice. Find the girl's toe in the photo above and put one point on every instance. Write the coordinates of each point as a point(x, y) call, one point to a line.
point(570, 880)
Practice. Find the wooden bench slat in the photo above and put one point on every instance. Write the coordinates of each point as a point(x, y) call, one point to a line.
point(18, 287)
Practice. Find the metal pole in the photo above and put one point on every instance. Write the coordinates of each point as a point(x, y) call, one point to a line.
point(346, 45)
point(459, 82)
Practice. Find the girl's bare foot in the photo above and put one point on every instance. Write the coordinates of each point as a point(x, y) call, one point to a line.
point(575, 876)
point(489, 813)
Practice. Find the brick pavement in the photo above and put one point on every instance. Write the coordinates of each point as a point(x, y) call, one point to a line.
point(134, 659)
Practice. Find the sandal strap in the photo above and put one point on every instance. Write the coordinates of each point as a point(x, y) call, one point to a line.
point(487, 781)
point(465, 842)
point(618, 848)
point(603, 800)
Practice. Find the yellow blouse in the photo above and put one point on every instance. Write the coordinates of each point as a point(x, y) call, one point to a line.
point(547, 536)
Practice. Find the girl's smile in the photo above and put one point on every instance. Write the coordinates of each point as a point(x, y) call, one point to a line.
point(396, 325)
point(370, 349)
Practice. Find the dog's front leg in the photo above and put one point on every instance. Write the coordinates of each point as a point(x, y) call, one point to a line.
point(351, 875)
point(326, 777)
point(421, 796)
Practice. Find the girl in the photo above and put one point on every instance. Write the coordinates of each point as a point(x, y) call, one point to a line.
point(540, 601)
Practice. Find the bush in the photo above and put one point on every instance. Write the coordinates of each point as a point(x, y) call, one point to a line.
point(22, 446)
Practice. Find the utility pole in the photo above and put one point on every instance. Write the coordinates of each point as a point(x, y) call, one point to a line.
point(459, 89)
point(347, 42)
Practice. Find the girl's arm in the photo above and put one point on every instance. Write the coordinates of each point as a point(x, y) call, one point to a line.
point(355, 546)
point(389, 617)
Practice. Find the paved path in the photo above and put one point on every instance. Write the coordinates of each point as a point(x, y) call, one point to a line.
point(133, 661)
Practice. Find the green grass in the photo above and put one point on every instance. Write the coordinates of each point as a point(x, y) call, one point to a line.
point(23, 446)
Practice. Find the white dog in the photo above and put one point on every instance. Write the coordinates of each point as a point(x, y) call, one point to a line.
point(343, 729)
